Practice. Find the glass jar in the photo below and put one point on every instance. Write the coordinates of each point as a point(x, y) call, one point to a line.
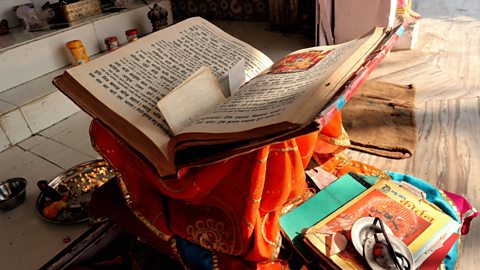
point(131, 34)
point(111, 43)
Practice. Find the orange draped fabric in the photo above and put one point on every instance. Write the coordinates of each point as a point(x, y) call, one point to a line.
point(231, 207)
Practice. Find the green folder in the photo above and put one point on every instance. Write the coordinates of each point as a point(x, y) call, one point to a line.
point(318, 207)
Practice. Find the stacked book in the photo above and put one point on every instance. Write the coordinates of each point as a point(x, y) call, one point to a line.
point(322, 229)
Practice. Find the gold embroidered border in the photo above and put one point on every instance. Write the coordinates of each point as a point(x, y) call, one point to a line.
point(140, 216)
point(262, 160)
point(173, 244)
point(234, 223)
point(342, 140)
point(249, 224)
point(451, 203)
point(264, 235)
point(277, 247)
point(284, 149)
point(457, 212)
point(366, 170)
point(215, 261)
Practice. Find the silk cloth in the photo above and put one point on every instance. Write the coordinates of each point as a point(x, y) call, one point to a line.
point(231, 207)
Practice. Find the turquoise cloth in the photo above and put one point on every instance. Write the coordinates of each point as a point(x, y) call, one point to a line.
point(433, 196)
point(194, 256)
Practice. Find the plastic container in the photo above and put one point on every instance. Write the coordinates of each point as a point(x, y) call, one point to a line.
point(78, 52)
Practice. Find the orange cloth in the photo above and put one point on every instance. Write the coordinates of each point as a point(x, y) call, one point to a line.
point(332, 140)
point(231, 207)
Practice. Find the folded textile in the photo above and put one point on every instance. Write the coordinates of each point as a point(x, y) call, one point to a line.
point(380, 119)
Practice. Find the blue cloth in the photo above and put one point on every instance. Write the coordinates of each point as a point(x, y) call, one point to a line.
point(433, 196)
point(194, 256)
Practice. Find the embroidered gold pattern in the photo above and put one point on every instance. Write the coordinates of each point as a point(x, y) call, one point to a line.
point(227, 209)
point(451, 203)
point(262, 160)
point(249, 224)
point(126, 195)
point(209, 235)
point(457, 212)
point(342, 140)
point(276, 248)
point(283, 150)
point(264, 235)
point(173, 244)
point(215, 261)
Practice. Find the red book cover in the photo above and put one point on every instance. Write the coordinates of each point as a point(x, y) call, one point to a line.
point(434, 260)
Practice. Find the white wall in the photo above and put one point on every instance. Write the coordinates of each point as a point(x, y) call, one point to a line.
point(33, 58)
point(7, 13)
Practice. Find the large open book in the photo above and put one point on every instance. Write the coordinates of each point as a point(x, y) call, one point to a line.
point(278, 101)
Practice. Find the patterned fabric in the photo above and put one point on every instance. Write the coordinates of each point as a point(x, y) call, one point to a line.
point(221, 9)
point(230, 207)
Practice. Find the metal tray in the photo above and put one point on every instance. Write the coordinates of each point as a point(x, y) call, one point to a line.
point(77, 183)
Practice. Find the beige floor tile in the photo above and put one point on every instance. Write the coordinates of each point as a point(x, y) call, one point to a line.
point(27, 242)
point(59, 154)
point(74, 132)
point(47, 111)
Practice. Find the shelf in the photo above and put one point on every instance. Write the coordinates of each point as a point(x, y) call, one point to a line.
point(29, 61)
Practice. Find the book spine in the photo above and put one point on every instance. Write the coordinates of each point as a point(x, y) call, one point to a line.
point(360, 76)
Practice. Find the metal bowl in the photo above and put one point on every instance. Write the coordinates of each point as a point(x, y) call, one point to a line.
point(12, 193)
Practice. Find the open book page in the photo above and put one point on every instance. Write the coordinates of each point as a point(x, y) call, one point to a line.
point(131, 80)
point(278, 94)
point(196, 96)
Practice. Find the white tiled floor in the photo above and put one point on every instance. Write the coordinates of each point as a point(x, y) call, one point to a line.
point(42, 156)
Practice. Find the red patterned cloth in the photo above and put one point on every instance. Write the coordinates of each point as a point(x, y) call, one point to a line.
point(231, 207)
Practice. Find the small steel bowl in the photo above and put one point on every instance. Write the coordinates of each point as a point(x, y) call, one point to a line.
point(12, 193)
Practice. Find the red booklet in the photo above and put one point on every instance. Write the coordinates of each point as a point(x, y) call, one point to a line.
point(434, 260)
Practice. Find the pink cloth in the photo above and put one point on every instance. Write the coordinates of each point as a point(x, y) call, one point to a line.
point(467, 211)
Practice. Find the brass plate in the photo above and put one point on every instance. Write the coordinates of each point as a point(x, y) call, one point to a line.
point(77, 183)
